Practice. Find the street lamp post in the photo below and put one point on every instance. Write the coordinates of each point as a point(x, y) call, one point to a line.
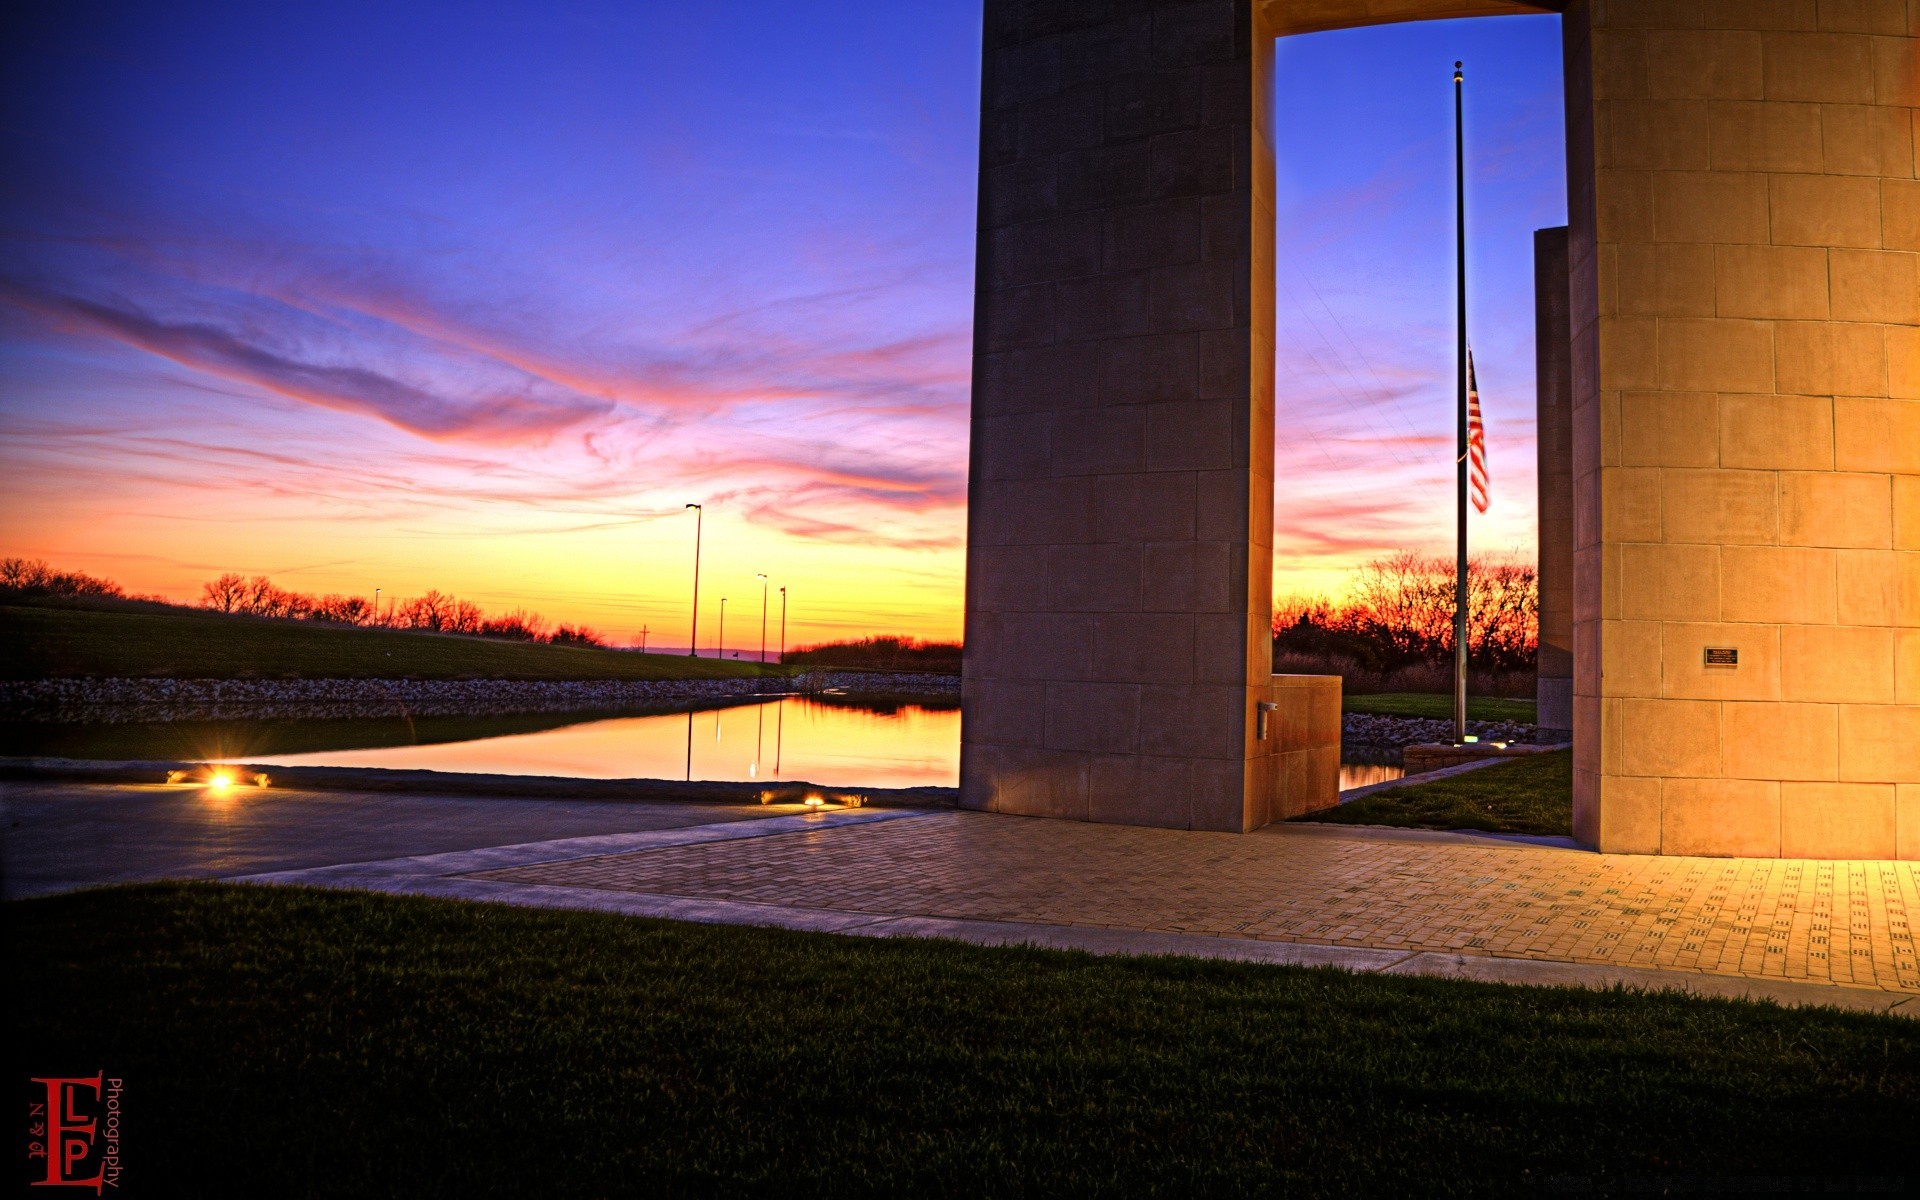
point(723, 627)
point(693, 639)
point(763, 619)
point(783, 626)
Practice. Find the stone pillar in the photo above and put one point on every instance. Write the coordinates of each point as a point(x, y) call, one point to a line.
point(1119, 556)
point(1553, 387)
point(1745, 267)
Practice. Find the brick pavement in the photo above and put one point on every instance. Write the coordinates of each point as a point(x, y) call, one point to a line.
point(1836, 922)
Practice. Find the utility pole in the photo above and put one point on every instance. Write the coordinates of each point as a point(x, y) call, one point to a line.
point(783, 629)
point(763, 619)
point(723, 627)
point(643, 639)
point(693, 639)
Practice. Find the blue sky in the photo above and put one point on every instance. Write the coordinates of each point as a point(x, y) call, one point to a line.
point(477, 296)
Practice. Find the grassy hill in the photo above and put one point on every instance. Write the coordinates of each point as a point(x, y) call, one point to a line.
point(72, 639)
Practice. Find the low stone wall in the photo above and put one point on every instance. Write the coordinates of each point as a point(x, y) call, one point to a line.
point(120, 701)
point(1367, 738)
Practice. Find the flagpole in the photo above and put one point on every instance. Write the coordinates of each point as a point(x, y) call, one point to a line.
point(1460, 489)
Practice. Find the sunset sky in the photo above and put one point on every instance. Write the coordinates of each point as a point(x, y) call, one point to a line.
point(478, 296)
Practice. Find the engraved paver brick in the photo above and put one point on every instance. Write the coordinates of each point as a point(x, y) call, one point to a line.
point(1838, 922)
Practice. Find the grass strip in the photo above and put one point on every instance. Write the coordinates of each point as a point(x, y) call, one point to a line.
point(1528, 795)
point(38, 642)
point(305, 1043)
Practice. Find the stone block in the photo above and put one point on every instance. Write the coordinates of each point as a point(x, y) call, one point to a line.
point(1865, 16)
point(1786, 584)
point(1013, 447)
point(1880, 743)
point(1689, 63)
point(1781, 741)
point(1837, 820)
point(1768, 136)
point(1139, 106)
point(1906, 800)
point(1879, 587)
point(1192, 435)
point(1875, 285)
point(1906, 512)
point(1685, 675)
point(1876, 435)
point(1725, 507)
point(1776, 432)
point(1156, 506)
point(1623, 209)
point(1744, 14)
point(1896, 72)
point(1827, 67)
point(1837, 664)
point(1699, 355)
point(1670, 582)
point(1191, 721)
point(1786, 282)
point(1824, 358)
point(1629, 816)
point(1039, 512)
point(1103, 577)
point(1658, 135)
point(1162, 233)
point(1709, 206)
point(1008, 579)
point(1192, 576)
point(1630, 658)
point(1669, 429)
point(1004, 712)
point(1044, 646)
point(1111, 306)
point(1039, 251)
point(1664, 279)
point(1629, 353)
point(1143, 648)
point(1824, 210)
point(1195, 296)
point(1146, 370)
point(1720, 818)
point(1100, 718)
point(1135, 790)
point(1866, 139)
point(1830, 508)
point(1661, 737)
point(1111, 440)
point(1900, 214)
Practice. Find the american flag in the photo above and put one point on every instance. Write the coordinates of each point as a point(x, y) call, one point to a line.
point(1476, 443)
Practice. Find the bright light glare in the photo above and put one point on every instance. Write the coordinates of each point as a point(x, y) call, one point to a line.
point(220, 782)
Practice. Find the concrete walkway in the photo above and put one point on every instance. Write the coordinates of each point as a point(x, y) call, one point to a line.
point(1505, 909)
point(55, 837)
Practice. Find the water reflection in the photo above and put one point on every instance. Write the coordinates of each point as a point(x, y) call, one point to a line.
point(1353, 775)
point(908, 745)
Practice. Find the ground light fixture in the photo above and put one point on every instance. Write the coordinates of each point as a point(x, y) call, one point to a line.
point(219, 778)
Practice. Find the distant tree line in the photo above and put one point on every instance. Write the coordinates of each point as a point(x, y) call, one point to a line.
point(432, 611)
point(884, 653)
point(1398, 615)
point(33, 577)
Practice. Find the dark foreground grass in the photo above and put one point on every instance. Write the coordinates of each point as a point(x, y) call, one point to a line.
point(289, 1042)
point(1528, 795)
point(1440, 707)
point(40, 641)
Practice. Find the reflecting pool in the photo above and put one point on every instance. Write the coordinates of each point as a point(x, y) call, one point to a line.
point(792, 738)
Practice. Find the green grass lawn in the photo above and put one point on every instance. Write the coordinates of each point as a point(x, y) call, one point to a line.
point(1440, 707)
point(37, 641)
point(293, 1042)
point(1529, 795)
